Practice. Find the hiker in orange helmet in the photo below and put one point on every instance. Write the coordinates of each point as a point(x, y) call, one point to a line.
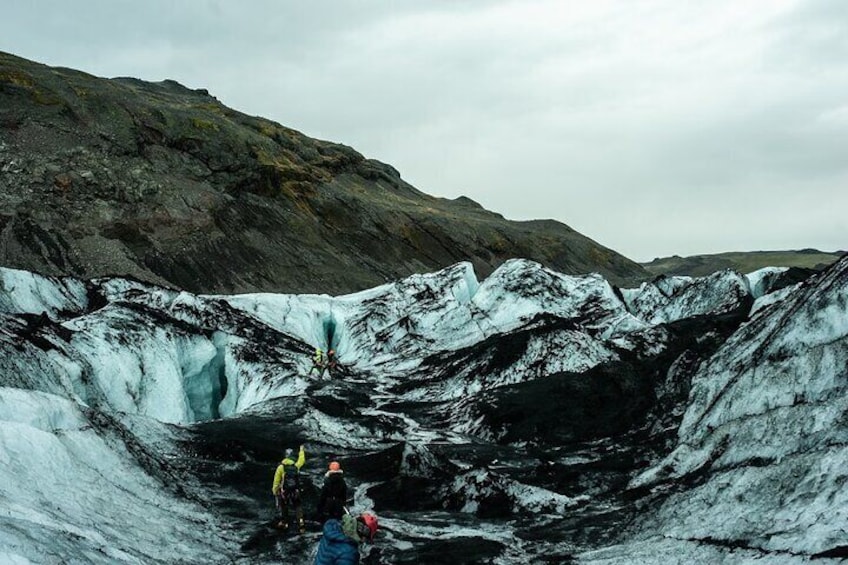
point(333, 494)
point(332, 362)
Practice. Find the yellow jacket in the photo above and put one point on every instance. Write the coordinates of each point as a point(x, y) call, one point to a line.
point(281, 472)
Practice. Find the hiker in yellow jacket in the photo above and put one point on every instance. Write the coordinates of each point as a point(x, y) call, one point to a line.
point(286, 489)
point(318, 362)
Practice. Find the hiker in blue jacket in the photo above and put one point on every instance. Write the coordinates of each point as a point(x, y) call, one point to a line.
point(340, 543)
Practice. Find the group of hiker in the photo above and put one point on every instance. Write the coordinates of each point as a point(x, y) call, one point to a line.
point(324, 363)
point(342, 532)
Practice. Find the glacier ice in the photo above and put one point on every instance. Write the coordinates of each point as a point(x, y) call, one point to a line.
point(766, 427)
point(448, 399)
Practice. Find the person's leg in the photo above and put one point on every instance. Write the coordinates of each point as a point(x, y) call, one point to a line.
point(283, 507)
point(284, 513)
point(301, 524)
point(298, 510)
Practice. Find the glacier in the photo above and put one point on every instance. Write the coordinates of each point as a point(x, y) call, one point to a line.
point(528, 417)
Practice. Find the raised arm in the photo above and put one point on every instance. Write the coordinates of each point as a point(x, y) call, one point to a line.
point(301, 458)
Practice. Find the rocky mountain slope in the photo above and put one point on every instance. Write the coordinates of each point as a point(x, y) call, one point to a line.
point(167, 185)
point(529, 417)
point(745, 262)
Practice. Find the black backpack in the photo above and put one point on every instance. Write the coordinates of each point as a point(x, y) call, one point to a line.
point(292, 479)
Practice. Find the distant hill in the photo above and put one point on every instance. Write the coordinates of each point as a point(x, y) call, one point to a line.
point(744, 262)
point(166, 184)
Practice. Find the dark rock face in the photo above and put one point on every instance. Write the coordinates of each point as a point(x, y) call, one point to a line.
point(167, 185)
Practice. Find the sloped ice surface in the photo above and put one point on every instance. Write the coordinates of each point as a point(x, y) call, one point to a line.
point(529, 354)
point(665, 551)
point(72, 492)
point(766, 432)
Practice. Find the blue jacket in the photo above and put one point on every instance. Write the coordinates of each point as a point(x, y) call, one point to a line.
point(336, 548)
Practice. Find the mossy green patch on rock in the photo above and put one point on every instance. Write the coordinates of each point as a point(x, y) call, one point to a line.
point(205, 124)
point(17, 78)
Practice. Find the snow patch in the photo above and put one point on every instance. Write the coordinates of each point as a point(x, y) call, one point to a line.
point(25, 292)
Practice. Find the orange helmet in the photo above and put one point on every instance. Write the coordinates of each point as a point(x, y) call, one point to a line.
point(334, 466)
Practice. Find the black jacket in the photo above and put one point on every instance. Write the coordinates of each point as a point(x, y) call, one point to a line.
point(333, 496)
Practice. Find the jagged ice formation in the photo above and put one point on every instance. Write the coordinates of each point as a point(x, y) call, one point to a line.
point(542, 417)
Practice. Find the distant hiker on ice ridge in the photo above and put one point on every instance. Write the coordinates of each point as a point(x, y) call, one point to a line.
point(332, 362)
point(286, 489)
point(326, 364)
point(318, 362)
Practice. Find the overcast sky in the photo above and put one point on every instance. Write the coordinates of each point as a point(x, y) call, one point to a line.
point(655, 127)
